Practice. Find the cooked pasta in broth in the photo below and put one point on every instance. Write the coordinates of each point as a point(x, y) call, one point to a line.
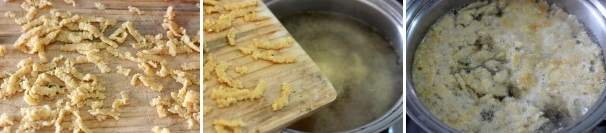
point(508, 66)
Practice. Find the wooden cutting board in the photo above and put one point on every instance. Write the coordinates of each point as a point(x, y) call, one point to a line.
point(311, 90)
point(138, 116)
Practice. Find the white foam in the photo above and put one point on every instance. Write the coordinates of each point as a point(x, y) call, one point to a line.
point(547, 68)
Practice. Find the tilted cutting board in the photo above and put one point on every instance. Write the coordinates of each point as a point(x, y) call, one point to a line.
point(311, 90)
point(138, 116)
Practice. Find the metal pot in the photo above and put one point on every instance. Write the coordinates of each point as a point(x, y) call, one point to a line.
point(421, 14)
point(384, 15)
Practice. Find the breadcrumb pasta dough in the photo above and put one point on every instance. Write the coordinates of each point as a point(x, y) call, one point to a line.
point(122, 101)
point(6, 122)
point(157, 129)
point(123, 71)
point(190, 66)
point(282, 101)
point(224, 97)
point(9, 14)
point(134, 10)
point(207, 109)
point(2, 50)
point(508, 66)
point(99, 6)
point(280, 44)
point(231, 36)
point(224, 126)
point(241, 69)
point(224, 78)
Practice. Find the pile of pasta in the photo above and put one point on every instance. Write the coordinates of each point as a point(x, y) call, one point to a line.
point(219, 19)
point(77, 90)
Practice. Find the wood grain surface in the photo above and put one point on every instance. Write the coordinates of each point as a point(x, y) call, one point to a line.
point(311, 90)
point(138, 116)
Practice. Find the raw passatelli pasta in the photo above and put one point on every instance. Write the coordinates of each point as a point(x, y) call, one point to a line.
point(100, 6)
point(59, 88)
point(134, 10)
point(231, 90)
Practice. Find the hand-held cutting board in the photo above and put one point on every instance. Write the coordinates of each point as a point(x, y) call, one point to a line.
point(310, 89)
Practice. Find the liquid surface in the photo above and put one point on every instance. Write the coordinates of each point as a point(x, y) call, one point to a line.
point(508, 66)
point(360, 64)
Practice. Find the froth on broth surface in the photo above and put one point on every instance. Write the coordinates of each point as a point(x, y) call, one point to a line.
point(508, 66)
point(362, 66)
